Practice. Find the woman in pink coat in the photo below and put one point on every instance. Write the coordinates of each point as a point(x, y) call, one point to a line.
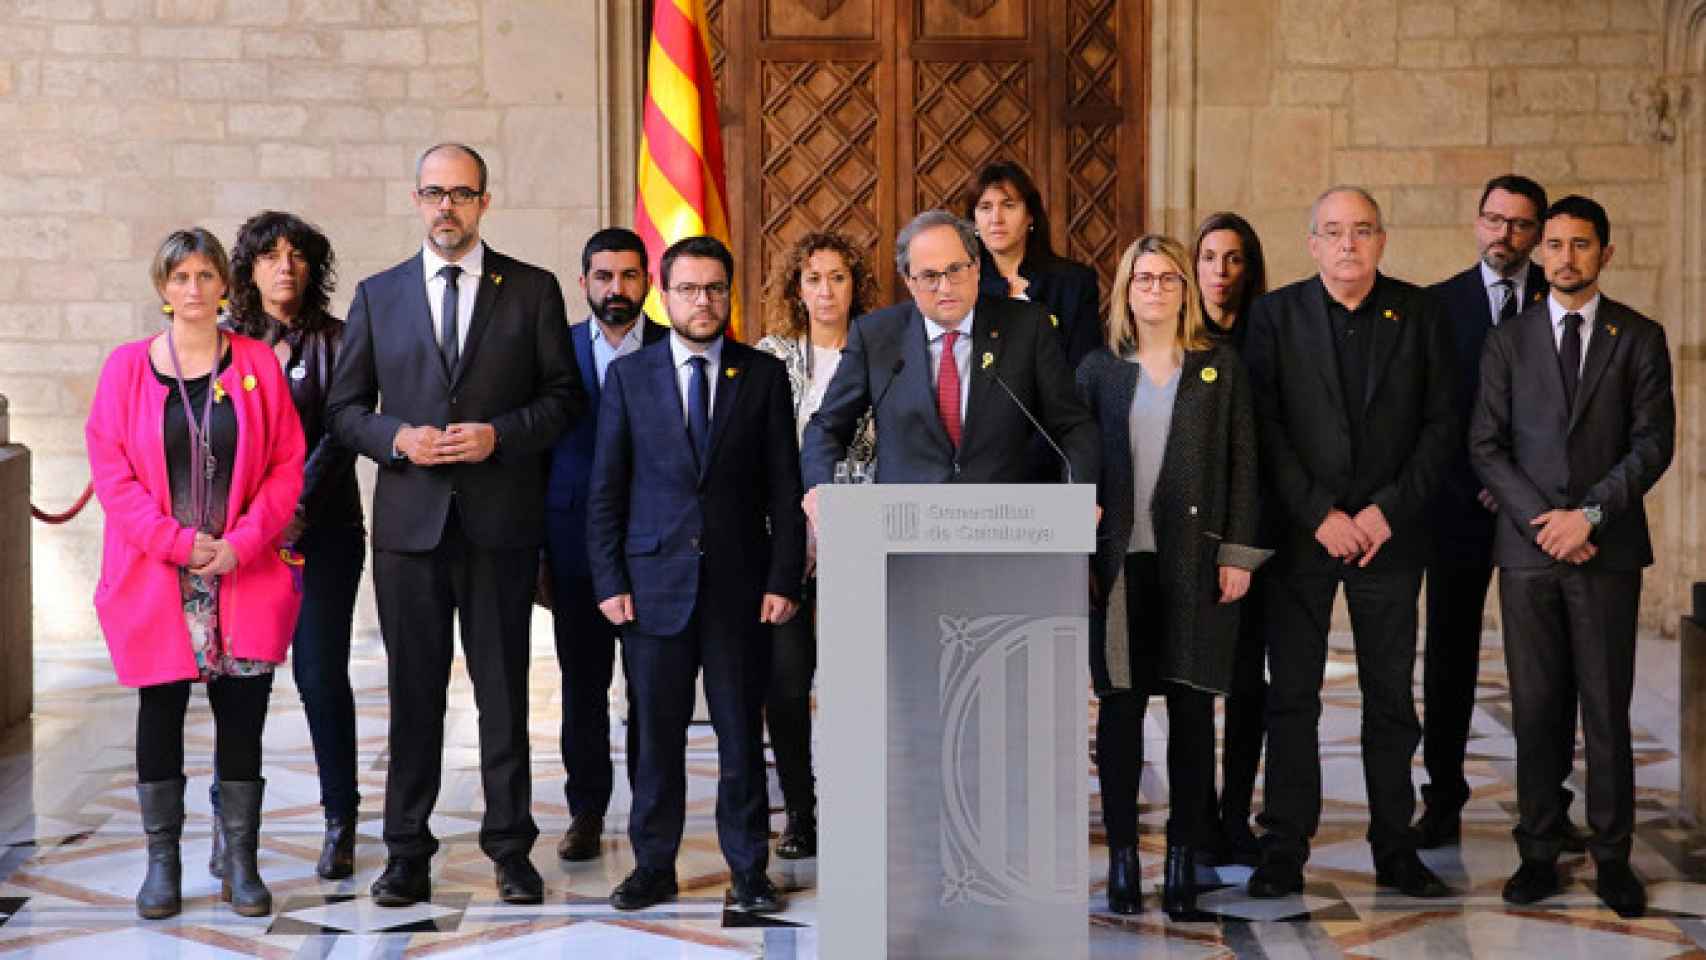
point(198, 471)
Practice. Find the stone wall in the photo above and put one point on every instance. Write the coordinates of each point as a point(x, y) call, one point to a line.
point(126, 118)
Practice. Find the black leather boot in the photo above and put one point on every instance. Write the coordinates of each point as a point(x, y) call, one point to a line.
point(1179, 880)
point(162, 804)
point(240, 816)
point(337, 853)
point(1124, 874)
point(799, 836)
point(216, 857)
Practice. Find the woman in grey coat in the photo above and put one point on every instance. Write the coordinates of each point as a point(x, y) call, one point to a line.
point(1173, 556)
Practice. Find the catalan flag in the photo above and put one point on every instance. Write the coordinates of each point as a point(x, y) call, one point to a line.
point(683, 183)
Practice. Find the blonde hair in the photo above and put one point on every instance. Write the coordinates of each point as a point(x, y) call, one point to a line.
point(1118, 330)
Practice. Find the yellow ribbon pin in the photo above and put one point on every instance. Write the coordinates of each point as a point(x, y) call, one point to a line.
point(1390, 315)
point(249, 382)
point(1611, 329)
point(988, 360)
point(1054, 320)
point(497, 278)
point(218, 391)
point(1209, 375)
point(730, 373)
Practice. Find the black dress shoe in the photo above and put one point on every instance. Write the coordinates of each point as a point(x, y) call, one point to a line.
point(643, 888)
point(1240, 843)
point(337, 852)
point(1406, 873)
point(1124, 893)
point(404, 882)
point(518, 882)
point(1276, 878)
point(799, 836)
point(1438, 829)
point(753, 892)
point(1573, 838)
point(1532, 882)
point(1179, 881)
point(1621, 890)
point(584, 840)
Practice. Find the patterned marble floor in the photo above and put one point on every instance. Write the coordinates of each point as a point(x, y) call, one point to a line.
point(71, 851)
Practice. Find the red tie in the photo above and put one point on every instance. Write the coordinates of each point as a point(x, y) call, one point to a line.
point(948, 388)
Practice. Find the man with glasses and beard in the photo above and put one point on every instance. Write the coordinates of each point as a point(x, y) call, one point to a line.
point(697, 544)
point(615, 280)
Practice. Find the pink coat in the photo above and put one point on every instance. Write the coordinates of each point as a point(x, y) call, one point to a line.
point(138, 600)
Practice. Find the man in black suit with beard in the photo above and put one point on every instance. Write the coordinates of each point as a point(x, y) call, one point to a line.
point(1500, 285)
point(1574, 423)
point(456, 377)
point(1352, 373)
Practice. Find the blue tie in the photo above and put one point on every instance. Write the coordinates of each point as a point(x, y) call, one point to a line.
point(698, 410)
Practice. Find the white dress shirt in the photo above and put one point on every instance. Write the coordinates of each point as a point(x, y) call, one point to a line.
point(1496, 294)
point(713, 355)
point(933, 333)
point(1589, 311)
point(603, 354)
point(467, 288)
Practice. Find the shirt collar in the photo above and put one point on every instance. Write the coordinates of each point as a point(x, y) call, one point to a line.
point(472, 262)
point(596, 332)
point(1588, 310)
point(1519, 280)
point(934, 331)
point(678, 350)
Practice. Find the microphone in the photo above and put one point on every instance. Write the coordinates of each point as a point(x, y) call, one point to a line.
point(991, 374)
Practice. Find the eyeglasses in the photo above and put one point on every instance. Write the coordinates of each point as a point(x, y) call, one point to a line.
point(1497, 222)
point(460, 196)
point(1168, 281)
point(689, 292)
point(1361, 233)
point(931, 280)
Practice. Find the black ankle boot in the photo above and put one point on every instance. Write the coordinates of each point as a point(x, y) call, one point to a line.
point(799, 836)
point(1124, 874)
point(216, 856)
point(162, 804)
point(337, 853)
point(1179, 880)
point(240, 815)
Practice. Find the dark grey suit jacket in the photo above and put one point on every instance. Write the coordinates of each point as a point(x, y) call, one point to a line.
point(1535, 455)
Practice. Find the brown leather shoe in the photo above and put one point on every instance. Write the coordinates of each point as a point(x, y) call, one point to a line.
point(584, 840)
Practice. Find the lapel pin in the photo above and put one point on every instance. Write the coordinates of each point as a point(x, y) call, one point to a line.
point(497, 278)
point(995, 334)
point(988, 360)
point(1536, 297)
point(1390, 315)
point(218, 391)
point(249, 382)
point(1053, 320)
point(1611, 328)
point(1209, 374)
point(730, 373)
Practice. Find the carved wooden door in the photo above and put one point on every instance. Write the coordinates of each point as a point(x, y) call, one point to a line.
point(854, 115)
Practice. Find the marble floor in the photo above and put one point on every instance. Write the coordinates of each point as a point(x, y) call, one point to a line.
point(71, 850)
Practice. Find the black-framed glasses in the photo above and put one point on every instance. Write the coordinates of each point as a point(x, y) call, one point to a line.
point(716, 292)
point(1170, 282)
point(1497, 222)
point(460, 196)
point(932, 279)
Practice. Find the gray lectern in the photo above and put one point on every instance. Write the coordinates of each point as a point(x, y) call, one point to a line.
point(953, 686)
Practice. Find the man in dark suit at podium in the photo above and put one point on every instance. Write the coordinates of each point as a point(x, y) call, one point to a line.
point(1501, 284)
point(456, 376)
point(1575, 422)
point(953, 377)
point(615, 281)
point(697, 543)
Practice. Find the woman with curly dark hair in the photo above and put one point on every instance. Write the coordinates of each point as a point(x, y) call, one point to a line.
point(822, 284)
point(283, 273)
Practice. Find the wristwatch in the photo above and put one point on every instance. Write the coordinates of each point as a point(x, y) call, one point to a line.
point(1594, 513)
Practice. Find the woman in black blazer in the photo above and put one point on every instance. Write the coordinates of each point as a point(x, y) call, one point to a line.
point(1173, 551)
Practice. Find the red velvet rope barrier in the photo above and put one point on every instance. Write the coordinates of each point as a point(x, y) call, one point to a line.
point(67, 516)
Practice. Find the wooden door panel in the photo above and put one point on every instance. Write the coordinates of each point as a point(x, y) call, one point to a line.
point(820, 19)
point(972, 19)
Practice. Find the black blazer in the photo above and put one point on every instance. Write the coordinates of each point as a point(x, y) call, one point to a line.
point(1463, 529)
point(672, 532)
point(1409, 423)
point(887, 359)
point(1535, 455)
point(516, 372)
point(1067, 289)
point(1204, 508)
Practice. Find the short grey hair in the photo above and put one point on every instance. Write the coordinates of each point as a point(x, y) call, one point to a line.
point(929, 220)
point(1333, 191)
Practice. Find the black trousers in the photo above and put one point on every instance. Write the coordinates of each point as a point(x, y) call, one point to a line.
point(239, 717)
point(735, 657)
point(1571, 632)
point(489, 592)
point(1383, 621)
point(1451, 668)
point(319, 658)
point(788, 703)
point(1246, 708)
point(586, 654)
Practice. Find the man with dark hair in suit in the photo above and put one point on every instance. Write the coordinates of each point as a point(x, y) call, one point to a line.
point(1574, 423)
point(615, 281)
point(937, 371)
point(696, 543)
point(1501, 284)
point(1352, 375)
point(456, 377)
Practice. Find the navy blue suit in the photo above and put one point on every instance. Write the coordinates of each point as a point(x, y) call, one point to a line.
point(697, 546)
point(586, 640)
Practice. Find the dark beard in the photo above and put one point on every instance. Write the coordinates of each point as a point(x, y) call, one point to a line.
point(707, 338)
point(615, 311)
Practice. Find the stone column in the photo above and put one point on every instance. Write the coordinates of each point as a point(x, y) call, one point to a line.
point(17, 653)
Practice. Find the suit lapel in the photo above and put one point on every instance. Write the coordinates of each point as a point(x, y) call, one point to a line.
point(1317, 337)
point(673, 416)
point(917, 374)
point(589, 368)
point(491, 281)
point(1600, 349)
point(1388, 324)
point(418, 316)
point(1537, 337)
point(985, 339)
point(725, 393)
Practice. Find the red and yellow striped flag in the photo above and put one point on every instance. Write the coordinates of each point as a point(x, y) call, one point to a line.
point(683, 184)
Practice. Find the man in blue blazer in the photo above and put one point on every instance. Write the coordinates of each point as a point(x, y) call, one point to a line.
point(697, 544)
point(615, 281)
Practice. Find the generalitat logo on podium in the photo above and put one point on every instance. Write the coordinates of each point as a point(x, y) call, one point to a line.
point(900, 521)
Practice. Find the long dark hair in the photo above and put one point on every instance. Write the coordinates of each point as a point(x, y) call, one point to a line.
point(1255, 264)
point(1038, 247)
point(261, 233)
